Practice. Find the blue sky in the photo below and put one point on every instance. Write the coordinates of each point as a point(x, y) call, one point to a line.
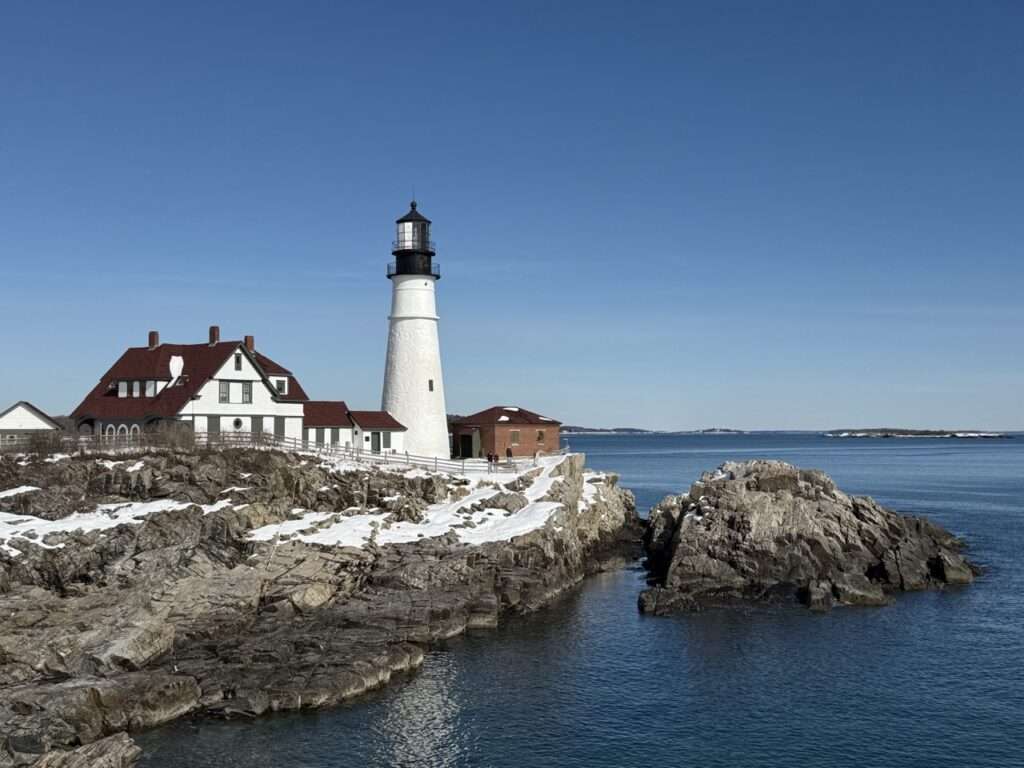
point(671, 215)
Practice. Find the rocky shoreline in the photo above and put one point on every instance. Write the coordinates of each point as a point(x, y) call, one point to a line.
point(238, 583)
point(766, 531)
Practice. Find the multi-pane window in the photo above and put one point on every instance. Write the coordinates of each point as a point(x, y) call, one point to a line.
point(540, 435)
point(136, 389)
point(246, 391)
point(238, 361)
point(225, 391)
point(122, 389)
point(514, 436)
point(282, 386)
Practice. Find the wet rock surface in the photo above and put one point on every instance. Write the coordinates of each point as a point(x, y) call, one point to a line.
point(114, 630)
point(769, 531)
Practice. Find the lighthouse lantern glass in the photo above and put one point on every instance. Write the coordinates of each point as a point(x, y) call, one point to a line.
point(412, 235)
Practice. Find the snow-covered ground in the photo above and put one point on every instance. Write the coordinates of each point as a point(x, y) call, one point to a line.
point(488, 524)
point(36, 529)
point(17, 491)
point(108, 464)
point(471, 526)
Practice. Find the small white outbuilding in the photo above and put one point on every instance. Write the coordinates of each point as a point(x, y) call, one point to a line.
point(23, 420)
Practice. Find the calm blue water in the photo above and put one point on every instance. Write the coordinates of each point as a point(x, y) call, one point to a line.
point(935, 680)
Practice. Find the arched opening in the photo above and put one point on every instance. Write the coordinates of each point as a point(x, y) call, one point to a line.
point(110, 431)
point(122, 432)
point(134, 432)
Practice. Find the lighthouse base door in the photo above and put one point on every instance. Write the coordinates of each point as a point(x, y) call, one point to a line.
point(375, 442)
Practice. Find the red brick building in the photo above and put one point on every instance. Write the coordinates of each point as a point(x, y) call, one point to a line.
point(503, 427)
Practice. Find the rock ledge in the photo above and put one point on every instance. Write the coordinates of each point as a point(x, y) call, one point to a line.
point(769, 531)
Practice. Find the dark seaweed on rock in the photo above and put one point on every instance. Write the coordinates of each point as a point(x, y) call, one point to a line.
point(768, 531)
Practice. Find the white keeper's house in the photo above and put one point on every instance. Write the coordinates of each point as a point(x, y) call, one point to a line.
point(23, 420)
point(224, 387)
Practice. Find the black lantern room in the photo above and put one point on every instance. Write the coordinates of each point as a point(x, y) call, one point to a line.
point(413, 249)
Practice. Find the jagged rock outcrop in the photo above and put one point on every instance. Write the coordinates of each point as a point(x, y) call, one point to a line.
point(766, 530)
point(118, 751)
point(182, 612)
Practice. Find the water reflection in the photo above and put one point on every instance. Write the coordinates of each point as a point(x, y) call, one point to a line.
point(423, 721)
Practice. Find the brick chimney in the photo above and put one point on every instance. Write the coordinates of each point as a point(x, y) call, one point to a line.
point(214, 334)
point(154, 339)
point(250, 343)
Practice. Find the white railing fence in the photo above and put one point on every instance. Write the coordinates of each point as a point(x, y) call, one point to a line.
point(187, 440)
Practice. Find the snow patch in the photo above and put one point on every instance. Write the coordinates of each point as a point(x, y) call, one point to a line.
point(106, 516)
point(17, 491)
point(488, 524)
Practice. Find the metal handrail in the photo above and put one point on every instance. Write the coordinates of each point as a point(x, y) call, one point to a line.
point(144, 442)
point(435, 270)
point(413, 244)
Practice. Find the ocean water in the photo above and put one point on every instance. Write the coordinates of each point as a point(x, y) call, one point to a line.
point(937, 679)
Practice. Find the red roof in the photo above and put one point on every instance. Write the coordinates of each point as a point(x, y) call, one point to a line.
point(295, 390)
point(504, 414)
point(325, 413)
point(375, 420)
point(202, 361)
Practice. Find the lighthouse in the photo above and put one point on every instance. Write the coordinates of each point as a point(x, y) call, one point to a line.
point(413, 386)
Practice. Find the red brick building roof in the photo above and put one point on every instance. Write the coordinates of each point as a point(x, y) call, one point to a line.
point(503, 414)
point(201, 363)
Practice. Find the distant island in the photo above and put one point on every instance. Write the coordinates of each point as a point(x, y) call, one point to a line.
point(944, 433)
point(573, 429)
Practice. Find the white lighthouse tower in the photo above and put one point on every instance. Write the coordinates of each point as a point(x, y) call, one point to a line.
point(413, 386)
